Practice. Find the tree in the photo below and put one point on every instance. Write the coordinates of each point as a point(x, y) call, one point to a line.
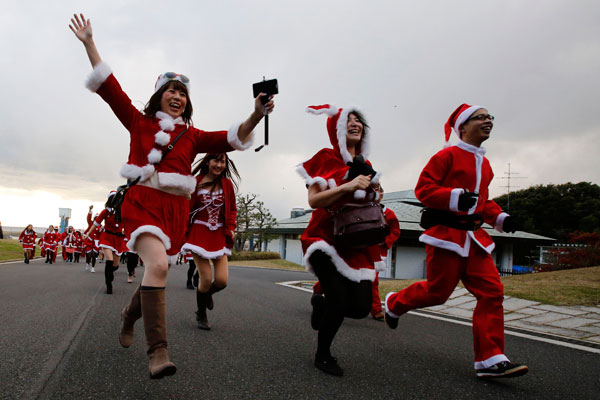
point(556, 210)
point(253, 220)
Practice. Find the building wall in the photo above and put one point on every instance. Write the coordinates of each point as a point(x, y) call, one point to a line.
point(293, 251)
point(274, 245)
point(409, 263)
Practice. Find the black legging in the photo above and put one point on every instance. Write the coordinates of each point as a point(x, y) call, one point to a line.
point(132, 262)
point(343, 298)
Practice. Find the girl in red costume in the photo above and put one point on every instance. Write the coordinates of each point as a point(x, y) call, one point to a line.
point(155, 209)
point(69, 244)
point(27, 239)
point(345, 274)
point(111, 242)
point(50, 244)
point(454, 186)
point(210, 235)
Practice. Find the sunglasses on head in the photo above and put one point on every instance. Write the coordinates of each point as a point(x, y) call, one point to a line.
point(175, 76)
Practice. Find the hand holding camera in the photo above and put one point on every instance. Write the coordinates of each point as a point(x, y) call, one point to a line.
point(266, 89)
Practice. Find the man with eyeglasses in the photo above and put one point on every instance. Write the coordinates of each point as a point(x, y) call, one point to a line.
point(453, 187)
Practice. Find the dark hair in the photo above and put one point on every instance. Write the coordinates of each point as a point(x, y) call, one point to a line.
point(230, 170)
point(153, 104)
point(361, 118)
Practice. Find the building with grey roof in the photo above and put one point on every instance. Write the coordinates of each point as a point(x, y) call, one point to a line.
point(406, 258)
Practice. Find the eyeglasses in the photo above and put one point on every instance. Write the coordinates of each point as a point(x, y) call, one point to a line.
point(481, 117)
point(173, 75)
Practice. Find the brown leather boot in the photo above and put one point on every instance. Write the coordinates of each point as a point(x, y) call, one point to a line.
point(155, 325)
point(201, 301)
point(131, 313)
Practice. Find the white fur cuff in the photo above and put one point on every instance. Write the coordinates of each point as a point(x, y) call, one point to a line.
point(234, 140)
point(97, 77)
point(454, 199)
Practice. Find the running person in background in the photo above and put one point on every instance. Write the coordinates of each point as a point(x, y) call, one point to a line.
point(192, 272)
point(155, 210)
point(69, 243)
point(210, 235)
point(50, 243)
point(78, 246)
point(27, 239)
point(111, 242)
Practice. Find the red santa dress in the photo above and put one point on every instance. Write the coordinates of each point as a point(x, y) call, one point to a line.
point(158, 204)
point(27, 239)
point(213, 220)
point(328, 169)
point(112, 236)
point(454, 254)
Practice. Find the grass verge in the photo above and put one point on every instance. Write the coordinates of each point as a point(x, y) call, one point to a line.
point(10, 249)
point(276, 264)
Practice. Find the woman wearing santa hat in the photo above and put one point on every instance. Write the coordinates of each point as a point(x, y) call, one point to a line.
point(156, 208)
point(27, 239)
point(111, 241)
point(345, 274)
point(212, 226)
point(50, 244)
point(454, 188)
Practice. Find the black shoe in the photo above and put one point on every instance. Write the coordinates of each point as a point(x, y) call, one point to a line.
point(189, 285)
point(109, 288)
point(391, 322)
point(329, 365)
point(27, 261)
point(318, 303)
point(504, 369)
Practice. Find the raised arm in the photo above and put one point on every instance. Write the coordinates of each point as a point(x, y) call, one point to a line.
point(260, 110)
point(82, 29)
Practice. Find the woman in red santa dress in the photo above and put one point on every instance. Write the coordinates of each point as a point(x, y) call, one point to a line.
point(111, 241)
point(336, 176)
point(27, 239)
point(69, 244)
point(50, 244)
point(91, 242)
point(210, 235)
point(454, 187)
point(157, 207)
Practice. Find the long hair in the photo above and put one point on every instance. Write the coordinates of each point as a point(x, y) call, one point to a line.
point(153, 104)
point(230, 171)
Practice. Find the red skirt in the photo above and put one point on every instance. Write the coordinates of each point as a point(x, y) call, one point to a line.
point(112, 242)
point(206, 243)
point(148, 210)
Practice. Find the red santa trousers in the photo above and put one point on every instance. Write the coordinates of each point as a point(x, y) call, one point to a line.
point(479, 276)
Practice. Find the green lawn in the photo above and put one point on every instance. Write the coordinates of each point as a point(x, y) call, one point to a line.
point(11, 250)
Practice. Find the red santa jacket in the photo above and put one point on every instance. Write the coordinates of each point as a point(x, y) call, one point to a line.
point(229, 208)
point(70, 240)
point(50, 240)
point(110, 224)
point(151, 134)
point(446, 176)
point(27, 238)
point(392, 221)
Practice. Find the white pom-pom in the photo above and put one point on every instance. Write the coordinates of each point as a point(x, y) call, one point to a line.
point(360, 194)
point(162, 138)
point(167, 124)
point(154, 156)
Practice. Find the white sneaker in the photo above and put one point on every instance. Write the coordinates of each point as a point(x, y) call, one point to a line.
point(93, 270)
point(129, 279)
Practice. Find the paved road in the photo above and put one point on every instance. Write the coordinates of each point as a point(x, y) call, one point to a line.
point(58, 340)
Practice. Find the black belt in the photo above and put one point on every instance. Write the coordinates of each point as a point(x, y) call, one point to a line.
point(119, 234)
point(432, 217)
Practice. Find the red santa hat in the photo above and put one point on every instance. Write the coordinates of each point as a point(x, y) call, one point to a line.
point(457, 118)
point(111, 193)
point(171, 76)
point(337, 122)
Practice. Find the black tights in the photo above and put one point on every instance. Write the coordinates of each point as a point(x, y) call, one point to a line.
point(90, 257)
point(343, 298)
point(132, 262)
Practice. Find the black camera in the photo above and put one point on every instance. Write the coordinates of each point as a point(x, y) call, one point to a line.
point(268, 87)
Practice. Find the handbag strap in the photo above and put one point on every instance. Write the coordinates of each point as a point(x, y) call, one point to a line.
point(167, 151)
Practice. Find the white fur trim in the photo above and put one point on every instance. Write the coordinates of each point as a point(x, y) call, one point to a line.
point(380, 266)
point(355, 275)
point(162, 138)
point(500, 222)
point(331, 183)
point(105, 246)
point(167, 123)
point(154, 230)
point(209, 255)
point(493, 360)
point(465, 116)
point(174, 180)
point(376, 178)
point(330, 111)
point(454, 195)
point(234, 140)
point(342, 130)
point(310, 180)
point(385, 305)
point(154, 156)
point(360, 194)
point(444, 244)
point(97, 77)
point(130, 171)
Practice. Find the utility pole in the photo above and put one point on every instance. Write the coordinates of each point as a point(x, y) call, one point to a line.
point(508, 176)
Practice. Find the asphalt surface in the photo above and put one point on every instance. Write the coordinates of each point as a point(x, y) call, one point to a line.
point(58, 340)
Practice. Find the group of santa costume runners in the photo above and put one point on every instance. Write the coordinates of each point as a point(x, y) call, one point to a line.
point(71, 241)
point(170, 208)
